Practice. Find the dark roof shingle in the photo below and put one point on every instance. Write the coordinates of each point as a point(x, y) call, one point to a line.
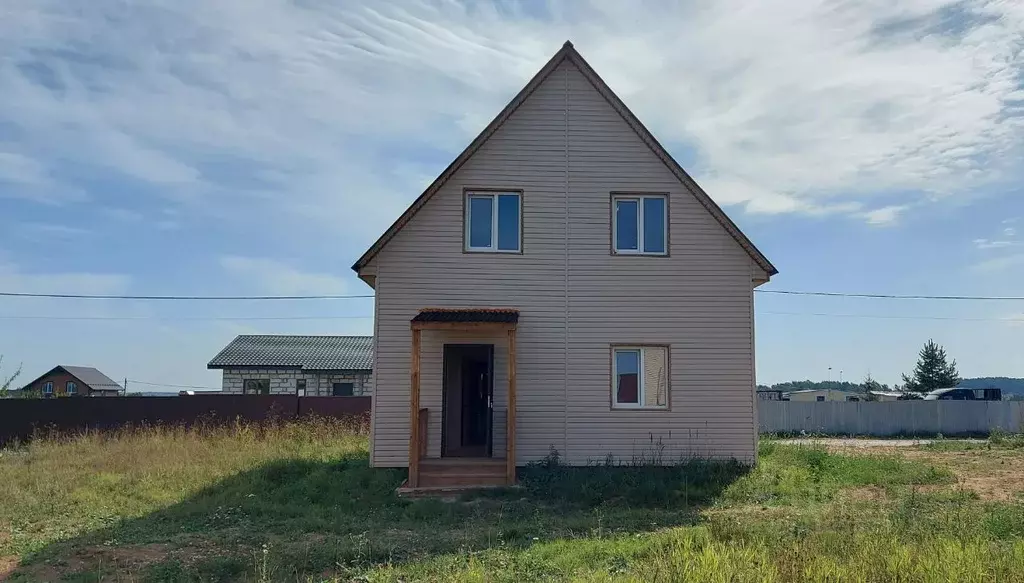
point(304, 352)
point(507, 315)
point(92, 377)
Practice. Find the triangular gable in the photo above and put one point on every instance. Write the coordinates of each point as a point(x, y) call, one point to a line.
point(569, 53)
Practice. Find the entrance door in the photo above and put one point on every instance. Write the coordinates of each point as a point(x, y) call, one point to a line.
point(468, 400)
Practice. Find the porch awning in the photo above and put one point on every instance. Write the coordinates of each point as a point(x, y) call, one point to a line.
point(468, 316)
point(503, 318)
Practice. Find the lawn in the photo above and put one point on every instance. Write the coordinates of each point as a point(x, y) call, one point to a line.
point(298, 502)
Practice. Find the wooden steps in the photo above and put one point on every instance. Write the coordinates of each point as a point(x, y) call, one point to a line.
point(462, 472)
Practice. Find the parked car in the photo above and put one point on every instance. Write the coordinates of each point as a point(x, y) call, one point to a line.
point(962, 394)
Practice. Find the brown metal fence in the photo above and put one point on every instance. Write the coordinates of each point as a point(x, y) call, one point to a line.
point(20, 418)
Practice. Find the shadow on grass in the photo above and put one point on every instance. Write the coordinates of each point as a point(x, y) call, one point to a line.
point(299, 519)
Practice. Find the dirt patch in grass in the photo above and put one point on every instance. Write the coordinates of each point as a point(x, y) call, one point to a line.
point(98, 559)
point(1001, 487)
point(992, 474)
point(7, 566)
point(866, 493)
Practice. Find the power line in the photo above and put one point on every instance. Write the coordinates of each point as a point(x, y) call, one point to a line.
point(888, 296)
point(188, 298)
point(886, 317)
point(171, 386)
point(358, 296)
point(185, 318)
point(310, 318)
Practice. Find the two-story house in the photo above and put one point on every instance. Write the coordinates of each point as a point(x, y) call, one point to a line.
point(73, 381)
point(563, 286)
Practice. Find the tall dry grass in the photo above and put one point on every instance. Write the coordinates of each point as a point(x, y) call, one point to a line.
point(60, 485)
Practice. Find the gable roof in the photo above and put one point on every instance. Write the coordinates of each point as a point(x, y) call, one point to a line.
point(301, 352)
point(568, 52)
point(86, 375)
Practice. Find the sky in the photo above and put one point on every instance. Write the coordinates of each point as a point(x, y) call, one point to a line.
point(245, 147)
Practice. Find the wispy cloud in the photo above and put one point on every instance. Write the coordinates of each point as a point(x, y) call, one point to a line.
point(997, 264)
point(278, 277)
point(993, 244)
point(1007, 238)
point(328, 111)
point(37, 230)
point(887, 215)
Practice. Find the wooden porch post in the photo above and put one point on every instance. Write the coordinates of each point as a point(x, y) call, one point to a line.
point(510, 421)
point(414, 411)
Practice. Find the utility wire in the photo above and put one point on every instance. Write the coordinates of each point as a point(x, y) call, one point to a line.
point(186, 318)
point(347, 297)
point(298, 318)
point(884, 317)
point(171, 386)
point(887, 296)
point(180, 297)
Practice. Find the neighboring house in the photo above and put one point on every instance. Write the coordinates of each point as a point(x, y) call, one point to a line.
point(822, 395)
point(73, 381)
point(563, 286)
point(339, 366)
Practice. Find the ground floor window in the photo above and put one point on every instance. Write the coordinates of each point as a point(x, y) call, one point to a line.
point(640, 377)
point(300, 387)
point(343, 389)
point(257, 386)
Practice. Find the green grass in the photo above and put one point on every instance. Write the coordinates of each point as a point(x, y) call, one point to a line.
point(298, 502)
point(997, 440)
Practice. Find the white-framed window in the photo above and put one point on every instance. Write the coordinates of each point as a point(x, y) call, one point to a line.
point(640, 377)
point(640, 224)
point(48, 388)
point(494, 222)
point(71, 388)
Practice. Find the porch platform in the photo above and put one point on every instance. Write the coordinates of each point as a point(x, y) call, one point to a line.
point(459, 474)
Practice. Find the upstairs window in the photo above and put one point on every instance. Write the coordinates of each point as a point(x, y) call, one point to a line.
point(493, 222)
point(48, 388)
point(71, 388)
point(640, 377)
point(640, 224)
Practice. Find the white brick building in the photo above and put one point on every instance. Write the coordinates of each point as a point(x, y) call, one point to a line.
point(303, 365)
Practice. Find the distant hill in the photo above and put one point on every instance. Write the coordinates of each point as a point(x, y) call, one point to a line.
point(1010, 386)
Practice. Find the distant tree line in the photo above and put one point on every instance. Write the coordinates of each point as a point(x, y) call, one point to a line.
point(934, 370)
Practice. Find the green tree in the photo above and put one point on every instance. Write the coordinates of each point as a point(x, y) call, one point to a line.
point(5, 384)
point(932, 370)
point(869, 385)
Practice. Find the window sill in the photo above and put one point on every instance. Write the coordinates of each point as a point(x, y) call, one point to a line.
point(638, 408)
point(638, 253)
point(495, 251)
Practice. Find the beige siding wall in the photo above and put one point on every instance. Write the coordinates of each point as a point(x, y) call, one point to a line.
point(575, 298)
